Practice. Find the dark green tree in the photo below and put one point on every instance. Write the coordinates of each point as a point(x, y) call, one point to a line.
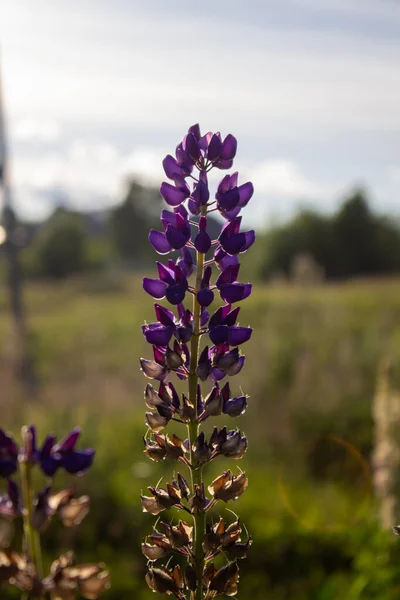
point(61, 247)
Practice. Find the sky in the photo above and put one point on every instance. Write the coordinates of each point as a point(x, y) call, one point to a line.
point(98, 91)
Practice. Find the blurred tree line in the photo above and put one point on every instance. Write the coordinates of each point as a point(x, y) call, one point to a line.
point(354, 241)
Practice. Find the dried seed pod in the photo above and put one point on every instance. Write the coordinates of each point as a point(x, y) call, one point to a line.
point(228, 487)
point(225, 581)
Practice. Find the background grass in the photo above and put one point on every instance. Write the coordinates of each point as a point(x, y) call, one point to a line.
point(311, 370)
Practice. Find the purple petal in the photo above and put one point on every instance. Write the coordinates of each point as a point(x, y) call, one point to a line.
point(50, 464)
point(229, 200)
point(185, 262)
point(238, 242)
point(205, 297)
point(159, 242)
point(69, 442)
point(228, 275)
point(172, 195)
point(223, 259)
point(223, 164)
point(232, 316)
point(235, 406)
point(154, 287)
point(214, 147)
point(195, 130)
point(156, 334)
point(235, 292)
point(201, 194)
point(229, 147)
point(191, 146)
point(237, 367)
point(164, 315)
point(78, 462)
point(230, 214)
point(175, 294)
point(171, 167)
point(245, 191)
point(238, 335)
point(193, 207)
point(205, 315)
point(202, 242)
point(219, 334)
point(166, 274)
point(177, 239)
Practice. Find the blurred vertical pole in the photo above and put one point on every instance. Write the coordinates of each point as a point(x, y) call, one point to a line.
point(386, 454)
point(22, 360)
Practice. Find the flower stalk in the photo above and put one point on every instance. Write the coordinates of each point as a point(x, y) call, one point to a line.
point(178, 348)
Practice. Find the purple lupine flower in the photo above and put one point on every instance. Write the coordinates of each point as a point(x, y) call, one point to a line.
point(171, 283)
point(161, 332)
point(200, 195)
point(8, 455)
point(202, 241)
point(10, 503)
point(185, 262)
point(174, 195)
point(231, 198)
point(176, 231)
point(195, 156)
point(223, 259)
point(230, 289)
point(53, 456)
point(232, 240)
point(205, 295)
point(222, 328)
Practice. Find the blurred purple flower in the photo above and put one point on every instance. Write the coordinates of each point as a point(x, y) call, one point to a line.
point(8, 455)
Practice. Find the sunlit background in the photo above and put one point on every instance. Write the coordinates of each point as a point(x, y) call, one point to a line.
point(95, 94)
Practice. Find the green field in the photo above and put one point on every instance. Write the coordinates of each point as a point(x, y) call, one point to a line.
point(311, 372)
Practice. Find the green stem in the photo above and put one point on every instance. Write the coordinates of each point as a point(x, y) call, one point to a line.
point(193, 430)
point(28, 528)
point(32, 537)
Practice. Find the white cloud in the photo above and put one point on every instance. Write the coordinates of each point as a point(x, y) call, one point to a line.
point(37, 129)
point(281, 177)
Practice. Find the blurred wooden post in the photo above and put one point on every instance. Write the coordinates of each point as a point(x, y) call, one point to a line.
point(10, 246)
point(386, 455)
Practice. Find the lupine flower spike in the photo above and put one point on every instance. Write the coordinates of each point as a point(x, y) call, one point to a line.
point(35, 508)
point(205, 269)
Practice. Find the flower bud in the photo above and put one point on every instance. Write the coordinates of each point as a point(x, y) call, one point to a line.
point(228, 487)
point(234, 407)
point(213, 402)
point(225, 581)
point(155, 421)
point(201, 450)
point(198, 502)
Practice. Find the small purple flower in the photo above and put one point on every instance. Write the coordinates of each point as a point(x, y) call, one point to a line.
point(160, 332)
point(8, 455)
point(231, 290)
point(231, 198)
point(232, 240)
point(53, 456)
point(205, 295)
point(185, 262)
point(202, 241)
point(176, 231)
point(173, 195)
point(234, 407)
point(200, 195)
point(224, 260)
point(222, 328)
point(171, 284)
point(10, 503)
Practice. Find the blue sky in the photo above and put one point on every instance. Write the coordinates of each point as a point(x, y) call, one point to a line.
point(96, 91)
